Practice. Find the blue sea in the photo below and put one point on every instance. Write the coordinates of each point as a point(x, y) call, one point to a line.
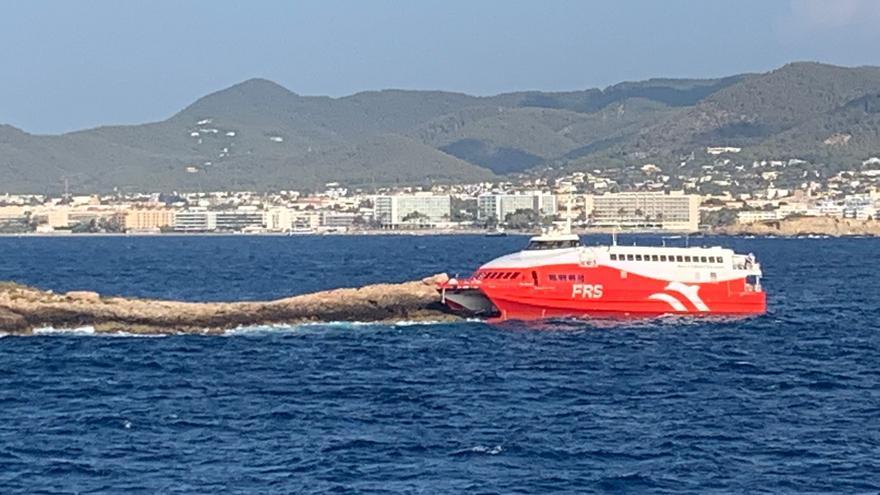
point(788, 402)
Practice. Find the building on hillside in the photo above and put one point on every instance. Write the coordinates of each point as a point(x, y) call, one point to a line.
point(499, 206)
point(655, 210)
point(719, 150)
point(412, 211)
point(151, 219)
point(758, 216)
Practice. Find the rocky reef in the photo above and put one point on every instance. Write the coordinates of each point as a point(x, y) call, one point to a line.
point(22, 309)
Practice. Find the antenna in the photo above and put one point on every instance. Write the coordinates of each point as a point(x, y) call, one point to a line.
point(568, 212)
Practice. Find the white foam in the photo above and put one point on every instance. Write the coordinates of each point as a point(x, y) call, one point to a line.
point(482, 449)
point(91, 332)
point(86, 330)
point(299, 327)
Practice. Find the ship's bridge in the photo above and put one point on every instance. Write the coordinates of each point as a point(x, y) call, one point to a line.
point(553, 241)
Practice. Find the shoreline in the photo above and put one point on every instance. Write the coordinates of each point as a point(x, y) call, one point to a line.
point(25, 309)
point(758, 231)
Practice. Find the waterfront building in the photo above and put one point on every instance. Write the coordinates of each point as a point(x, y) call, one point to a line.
point(668, 211)
point(500, 205)
point(336, 219)
point(420, 210)
point(278, 219)
point(195, 220)
point(58, 218)
point(238, 220)
point(149, 219)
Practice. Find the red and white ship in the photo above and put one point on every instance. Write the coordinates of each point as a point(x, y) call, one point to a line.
point(556, 276)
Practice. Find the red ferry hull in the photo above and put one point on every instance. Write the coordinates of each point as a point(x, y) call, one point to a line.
point(573, 291)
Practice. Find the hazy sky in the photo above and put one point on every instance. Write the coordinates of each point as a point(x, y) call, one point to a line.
point(69, 65)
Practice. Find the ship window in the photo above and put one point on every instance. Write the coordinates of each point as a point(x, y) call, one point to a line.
point(580, 278)
point(638, 257)
point(572, 277)
point(662, 257)
point(687, 259)
point(702, 259)
point(613, 257)
point(679, 258)
point(539, 245)
point(515, 275)
point(552, 276)
point(654, 257)
point(507, 275)
point(629, 257)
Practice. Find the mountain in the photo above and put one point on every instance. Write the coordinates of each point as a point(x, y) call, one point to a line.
point(260, 135)
point(758, 107)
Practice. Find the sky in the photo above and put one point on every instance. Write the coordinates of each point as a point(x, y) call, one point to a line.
point(68, 65)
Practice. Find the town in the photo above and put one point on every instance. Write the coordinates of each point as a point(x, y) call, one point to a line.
point(643, 198)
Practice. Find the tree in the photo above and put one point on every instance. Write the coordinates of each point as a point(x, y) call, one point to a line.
point(415, 216)
point(522, 219)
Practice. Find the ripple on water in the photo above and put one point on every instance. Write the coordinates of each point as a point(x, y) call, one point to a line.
point(787, 402)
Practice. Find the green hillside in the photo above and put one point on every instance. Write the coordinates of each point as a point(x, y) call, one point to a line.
point(260, 135)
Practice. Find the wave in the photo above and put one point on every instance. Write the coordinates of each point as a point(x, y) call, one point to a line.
point(343, 325)
point(479, 450)
point(89, 331)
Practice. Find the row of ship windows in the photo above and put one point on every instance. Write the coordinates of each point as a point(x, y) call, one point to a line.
point(570, 277)
point(497, 275)
point(664, 258)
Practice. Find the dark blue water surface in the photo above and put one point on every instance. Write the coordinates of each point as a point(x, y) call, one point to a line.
point(787, 402)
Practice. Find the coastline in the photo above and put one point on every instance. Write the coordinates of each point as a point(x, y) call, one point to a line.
point(24, 309)
point(791, 227)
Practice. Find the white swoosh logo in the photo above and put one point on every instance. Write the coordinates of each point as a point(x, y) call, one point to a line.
point(690, 292)
point(675, 303)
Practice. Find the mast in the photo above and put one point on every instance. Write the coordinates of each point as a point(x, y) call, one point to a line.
point(568, 212)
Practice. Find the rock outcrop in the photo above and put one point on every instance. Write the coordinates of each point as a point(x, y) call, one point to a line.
point(805, 226)
point(23, 309)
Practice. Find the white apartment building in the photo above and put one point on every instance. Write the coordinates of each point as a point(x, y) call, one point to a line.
point(498, 206)
point(414, 210)
point(278, 219)
point(195, 220)
point(668, 211)
point(758, 216)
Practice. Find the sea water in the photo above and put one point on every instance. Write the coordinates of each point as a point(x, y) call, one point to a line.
point(786, 402)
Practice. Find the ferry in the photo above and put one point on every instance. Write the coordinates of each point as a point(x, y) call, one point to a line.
point(556, 276)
